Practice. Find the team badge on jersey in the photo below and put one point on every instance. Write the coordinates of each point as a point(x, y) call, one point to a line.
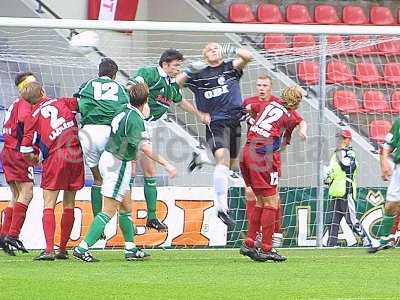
point(221, 80)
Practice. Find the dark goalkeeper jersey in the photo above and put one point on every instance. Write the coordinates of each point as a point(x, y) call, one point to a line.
point(217, 91)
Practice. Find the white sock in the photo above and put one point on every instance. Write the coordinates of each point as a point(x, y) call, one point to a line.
point(83, 245)
point(221, 173)
point(129, 245)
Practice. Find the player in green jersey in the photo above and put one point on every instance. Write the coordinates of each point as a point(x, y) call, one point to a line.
point(392, 204)
point(99, 99)
point(163, 92)
point(128, 136)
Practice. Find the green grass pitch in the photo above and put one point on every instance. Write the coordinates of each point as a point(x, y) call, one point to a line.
point(206, 274)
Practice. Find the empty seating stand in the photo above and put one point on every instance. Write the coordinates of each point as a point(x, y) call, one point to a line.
point(378, 130)
point(326, 14)
point(298, 14)
point(241, 13)
point(308, 72)
point(346, 101)
point(380, 15)
point(375, 102)
point(354, 15)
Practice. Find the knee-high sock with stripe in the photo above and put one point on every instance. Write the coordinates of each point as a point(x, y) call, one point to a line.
point(95, 231)
point(150, 194)
point(127, 228)
point(97, 199)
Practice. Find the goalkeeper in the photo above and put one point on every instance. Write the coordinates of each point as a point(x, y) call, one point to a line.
point(392, 204)
point(341, 178)
point(163, 91)
point(128, 136)
point(216, 89)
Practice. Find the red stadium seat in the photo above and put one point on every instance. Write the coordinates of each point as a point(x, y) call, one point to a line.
point(338, 72)
point(389, 47)
point(358, 40)
point(308, 72)
point(336, 40)
point(381, 15)
point(275, 42)
point(346, 101)
point(367, 73)
point(354, 15)
point(374, 101)
point(298, 14)
point(269, 13)
point(391, 73)
point(378, 130)
point(300, 41)
point(395, 101)
point(241, 13)
point(326, 14)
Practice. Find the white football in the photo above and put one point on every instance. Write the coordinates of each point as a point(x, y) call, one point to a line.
point(84, 42)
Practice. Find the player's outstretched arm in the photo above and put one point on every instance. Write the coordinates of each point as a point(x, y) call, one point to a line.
point(303, 130)
point(189, 107)
point(191, 69)
point(147, 150)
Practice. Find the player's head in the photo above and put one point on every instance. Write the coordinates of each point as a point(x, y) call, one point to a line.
point(264, 87)
point(23, 78)
point(108, 67)
point(211, 53)
point(171, 62)
point(138, 94)
point(291, 97)
point(32, 92)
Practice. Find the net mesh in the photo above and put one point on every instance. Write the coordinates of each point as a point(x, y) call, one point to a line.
point(288, 59)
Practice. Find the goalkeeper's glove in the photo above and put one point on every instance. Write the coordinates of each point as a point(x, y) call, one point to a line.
point(227, 50)
point(195, 67)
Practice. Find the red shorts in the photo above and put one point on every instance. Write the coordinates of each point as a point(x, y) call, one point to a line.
point(63, 169)
point(16, 168)
point(260, 171)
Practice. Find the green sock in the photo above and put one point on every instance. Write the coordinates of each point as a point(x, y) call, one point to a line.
point(150, 193)
point(96, 228)
point(97, 199)
point(126, 225)
point(386, 225)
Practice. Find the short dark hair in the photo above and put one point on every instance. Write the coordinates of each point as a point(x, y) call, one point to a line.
point(108, 67)
point(170, 55)
point(21, 77)
point(138, 94)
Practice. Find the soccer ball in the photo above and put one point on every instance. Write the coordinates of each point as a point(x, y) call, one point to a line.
point(84, 42)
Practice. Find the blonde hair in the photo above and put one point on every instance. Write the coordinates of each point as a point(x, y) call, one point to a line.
point(291, 97)
point(32, 91)
point(208, 45)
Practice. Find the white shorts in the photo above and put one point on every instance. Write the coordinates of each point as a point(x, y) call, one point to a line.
point(116, 176)
point(393, 191)
point(94, 139)
point(151, 126)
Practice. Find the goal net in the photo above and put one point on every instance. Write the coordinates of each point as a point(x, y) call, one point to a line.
point(358, 93)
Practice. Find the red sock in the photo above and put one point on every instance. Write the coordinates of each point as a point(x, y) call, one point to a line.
point(268, 223)
point(8, 212)
point(49, 228)
point(278, 220)
point(18, 219)
point(254, 226)
point(250, 208)
point(395, 225)
point(67, 222)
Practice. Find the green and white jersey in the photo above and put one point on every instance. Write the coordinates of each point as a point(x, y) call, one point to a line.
point(127, 132)
point(392, 139)
point(100, 99)
point(163, 90)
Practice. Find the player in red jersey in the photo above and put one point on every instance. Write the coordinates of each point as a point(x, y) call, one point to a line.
point(272, 129)
point(56, 129)
point(264, 94)
point(18, 172)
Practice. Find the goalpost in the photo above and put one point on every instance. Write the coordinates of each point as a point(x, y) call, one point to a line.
point(333, 64)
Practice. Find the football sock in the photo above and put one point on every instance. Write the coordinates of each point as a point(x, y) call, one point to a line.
point(67, 222)
point(18, 219)
point(250, 208)
point(49, 228)
point(8, 212)
point(150, 193)
point(254, 226)
point(126, 225)
point(97, 199)
point(221, 174)
point(96, 228)
point(387, 224)
point(268, 224)
point(278, 220)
